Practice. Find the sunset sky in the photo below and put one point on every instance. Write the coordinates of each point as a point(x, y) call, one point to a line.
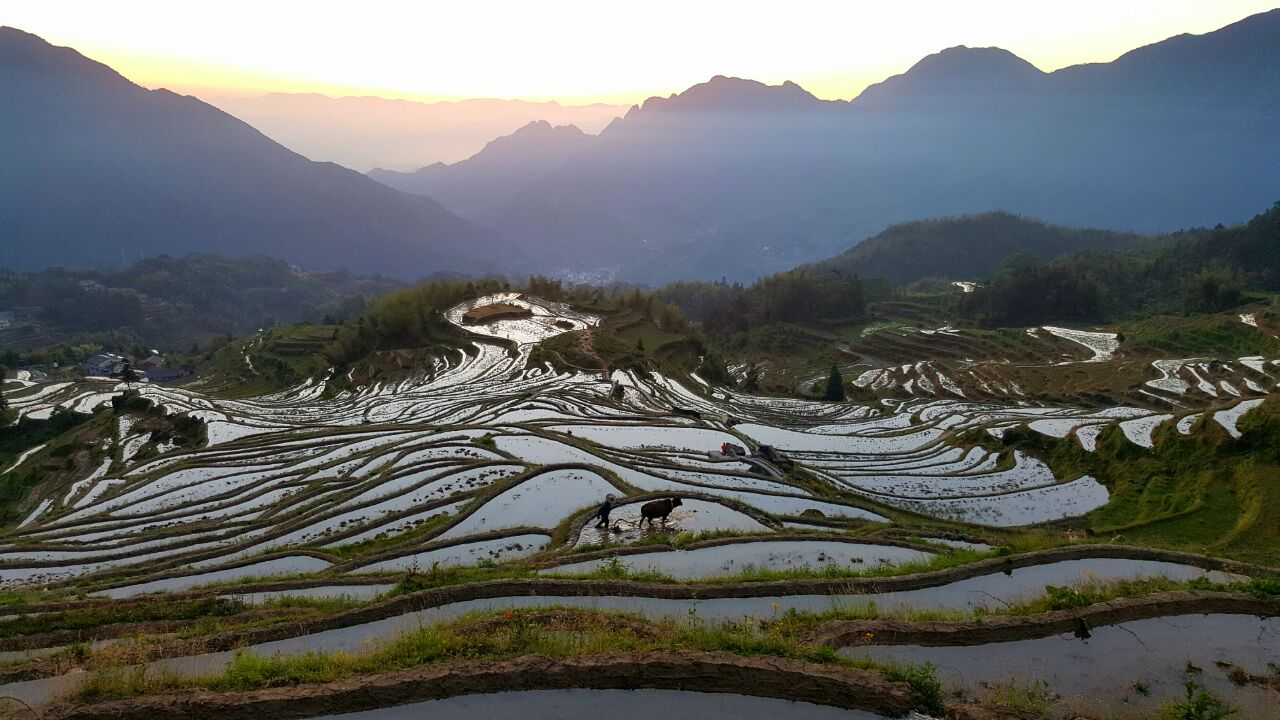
point(581, 52)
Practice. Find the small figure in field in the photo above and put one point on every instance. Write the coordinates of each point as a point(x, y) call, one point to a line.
point(658, 509)
point(603, 512)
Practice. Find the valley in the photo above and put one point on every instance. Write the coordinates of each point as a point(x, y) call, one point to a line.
point(910, 361)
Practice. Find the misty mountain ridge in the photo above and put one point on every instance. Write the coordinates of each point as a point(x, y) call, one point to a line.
point(482, 182)
point(100, 171)
point(364, 133)
point(737, 178)
point(724, 94)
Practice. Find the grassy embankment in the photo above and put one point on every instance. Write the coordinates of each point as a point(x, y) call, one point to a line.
point(1205, 492)
point(498, 635)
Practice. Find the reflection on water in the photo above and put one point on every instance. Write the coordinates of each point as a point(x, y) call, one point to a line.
point(1102, 672)
point(612, 704)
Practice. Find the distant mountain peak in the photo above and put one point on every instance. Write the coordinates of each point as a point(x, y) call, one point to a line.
point(959, 70)
point(542, 128)
point(722, 93)
point(964, 62)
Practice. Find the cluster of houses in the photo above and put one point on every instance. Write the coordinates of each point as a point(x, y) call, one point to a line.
point(150, 369)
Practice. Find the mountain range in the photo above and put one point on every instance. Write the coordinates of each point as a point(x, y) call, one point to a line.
point(736, 178)
point(99, 171)
point(730, 178)
point(371, 132)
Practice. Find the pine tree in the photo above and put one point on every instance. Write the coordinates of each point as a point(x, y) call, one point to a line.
point(835, 385)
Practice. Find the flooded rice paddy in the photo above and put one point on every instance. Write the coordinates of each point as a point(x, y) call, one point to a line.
point(613, 704)
point(1130, 667)
point(993, 590)
point(733, 559)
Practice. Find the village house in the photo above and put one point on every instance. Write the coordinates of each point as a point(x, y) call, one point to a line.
point(164, 374)
point(105, 365)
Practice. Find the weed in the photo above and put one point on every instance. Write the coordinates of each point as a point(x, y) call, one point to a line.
point(1196, 704)
point(1035, 696)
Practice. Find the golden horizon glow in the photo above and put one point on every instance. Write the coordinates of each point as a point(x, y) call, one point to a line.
point(578, 52)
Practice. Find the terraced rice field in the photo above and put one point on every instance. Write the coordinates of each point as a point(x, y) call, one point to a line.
point(484, 460)
point(483, 457)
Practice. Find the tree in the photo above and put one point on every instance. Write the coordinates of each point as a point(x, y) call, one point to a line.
point(128, 374)
point(1213, 290)
point(835, 385)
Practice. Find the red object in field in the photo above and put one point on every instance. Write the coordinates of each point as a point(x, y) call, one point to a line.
point(724, 448)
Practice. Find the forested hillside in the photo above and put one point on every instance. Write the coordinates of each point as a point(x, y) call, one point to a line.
point(968, 246)
point(173, 302)
point(1201, 272)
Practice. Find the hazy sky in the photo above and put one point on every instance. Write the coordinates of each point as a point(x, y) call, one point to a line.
point(582, 51)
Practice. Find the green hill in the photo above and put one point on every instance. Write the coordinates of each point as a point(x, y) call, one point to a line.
point(968, 247)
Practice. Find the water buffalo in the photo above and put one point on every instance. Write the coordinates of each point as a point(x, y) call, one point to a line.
point(658, 509)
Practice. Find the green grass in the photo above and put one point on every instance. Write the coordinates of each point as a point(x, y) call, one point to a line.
point(652, 336)
point(281, 357)
point(437, 576)
point(106, 614)
point(1033, 696)
point(16, 439)
point(498, 635)
point(1185, 336)
point(374, 545)
point(281, 609)
point(1204, 492)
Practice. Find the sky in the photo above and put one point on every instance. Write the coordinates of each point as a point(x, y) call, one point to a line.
point(580, 52)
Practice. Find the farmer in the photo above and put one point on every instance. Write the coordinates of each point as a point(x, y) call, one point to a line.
point(603, 512)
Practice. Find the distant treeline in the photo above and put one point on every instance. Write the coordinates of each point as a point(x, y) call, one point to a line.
point(794, 296)
point(968, 247)
point(1193, 273)
point(172, 302)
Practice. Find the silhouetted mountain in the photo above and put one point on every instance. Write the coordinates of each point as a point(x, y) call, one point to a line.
point(726, 94)
point(968, 247)
point(1238, 64)
point(481, 183)
point(955, 74)
point(370, 132)
point(99, 171)
point(736, 178)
